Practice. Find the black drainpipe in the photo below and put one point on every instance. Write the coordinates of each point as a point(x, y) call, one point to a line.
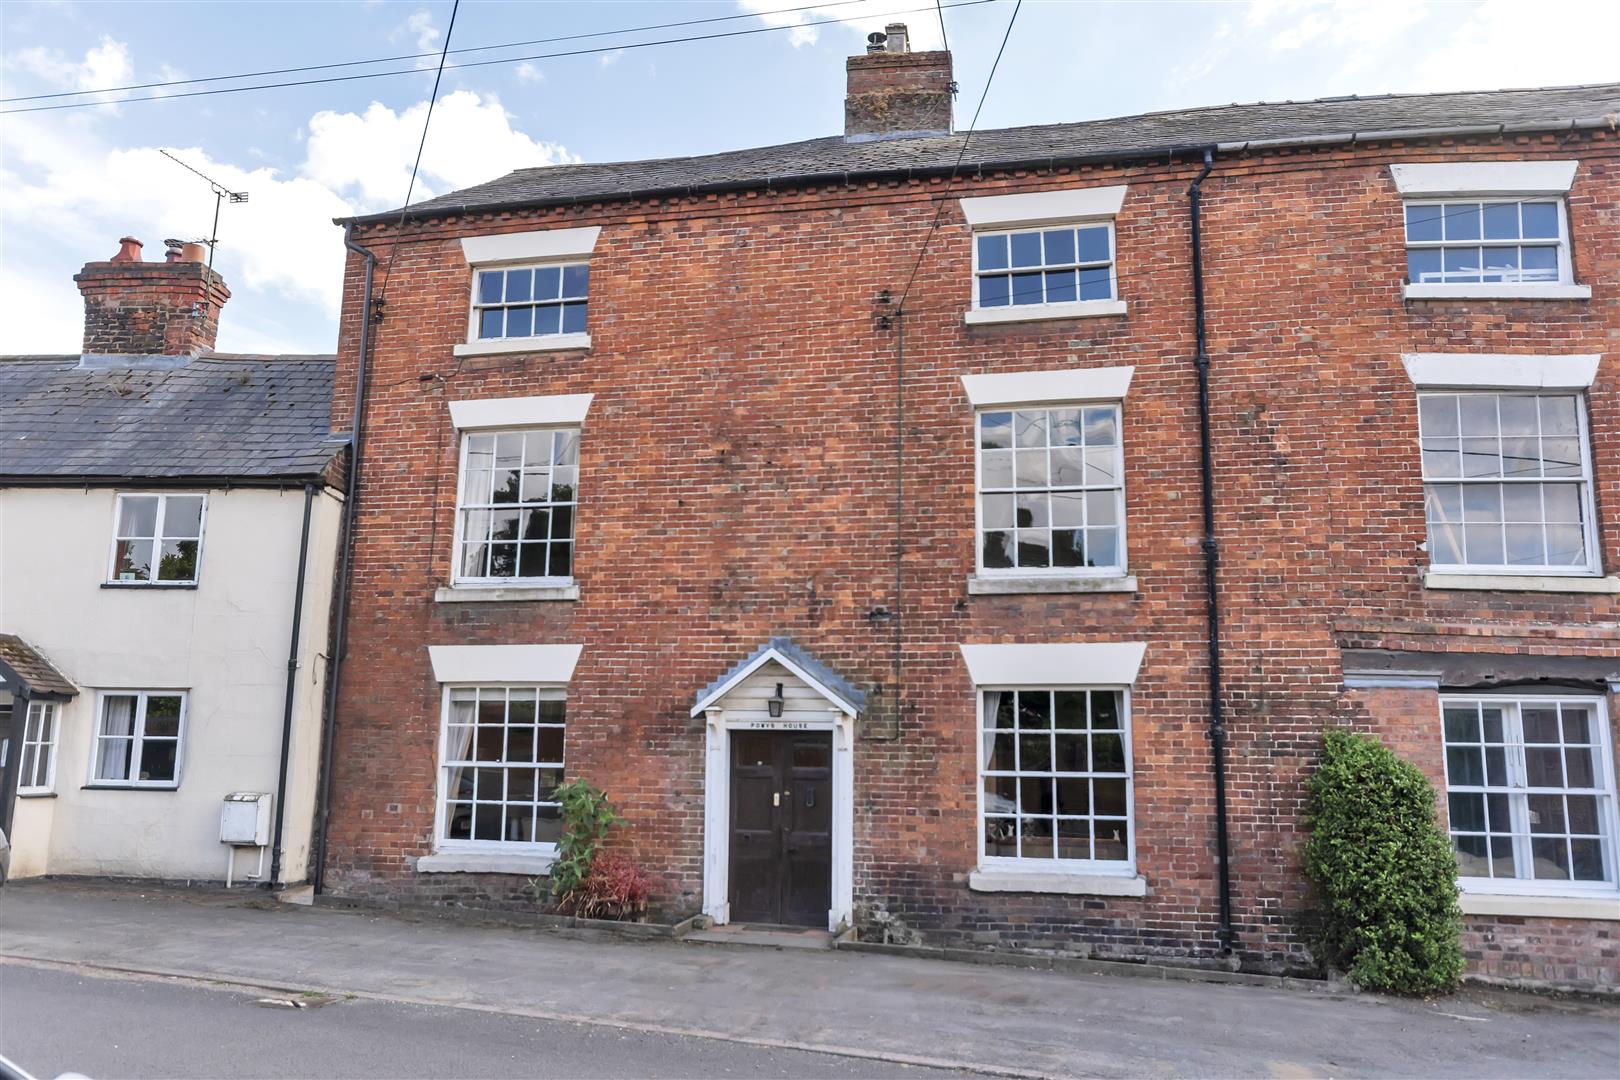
point(292, 690)
point(340, 613)
point(1212, 610)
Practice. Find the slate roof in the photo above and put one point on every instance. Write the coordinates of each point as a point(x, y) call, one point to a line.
point(20, 661)
point(218, 416)
point(1150, 134)
point(784, 647)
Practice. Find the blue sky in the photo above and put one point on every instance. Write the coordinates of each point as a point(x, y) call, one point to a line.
point(73, 181)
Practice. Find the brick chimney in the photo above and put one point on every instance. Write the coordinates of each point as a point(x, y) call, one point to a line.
point(894, 92)
point(135, 308)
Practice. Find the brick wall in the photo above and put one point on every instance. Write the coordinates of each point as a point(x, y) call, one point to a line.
point(738, 481)
point(151, 308)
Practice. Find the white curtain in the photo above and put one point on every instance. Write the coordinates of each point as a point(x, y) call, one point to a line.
point(992, 708)
point(117, 742)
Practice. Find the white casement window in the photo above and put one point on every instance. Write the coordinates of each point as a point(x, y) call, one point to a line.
point(515, 513)
point(1055, 772)
point(501, 759)
point(1507, 483)
point(1530, 793)
point(38, 775)
point(1051, 494)
point(521, 302)
point(139, 734)
point(1044, 266)
point(157, 539)
point(1487, 241)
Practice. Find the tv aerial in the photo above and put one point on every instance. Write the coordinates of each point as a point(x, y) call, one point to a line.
point(221, 193)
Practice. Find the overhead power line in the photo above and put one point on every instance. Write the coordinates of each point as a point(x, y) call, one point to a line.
point(967, 138)
point(358, 76)
point(417, 56)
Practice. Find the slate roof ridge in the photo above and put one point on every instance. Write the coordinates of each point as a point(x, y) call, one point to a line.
point(1262, 123)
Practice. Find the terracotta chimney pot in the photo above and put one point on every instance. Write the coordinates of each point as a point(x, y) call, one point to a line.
point(129, 250)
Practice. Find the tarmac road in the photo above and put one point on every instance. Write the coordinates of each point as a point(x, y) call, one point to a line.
point(54, 1020)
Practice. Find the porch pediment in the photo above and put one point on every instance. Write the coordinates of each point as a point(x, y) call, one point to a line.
point(818, 677)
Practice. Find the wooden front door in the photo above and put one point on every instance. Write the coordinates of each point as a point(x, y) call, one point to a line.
point(781, 827)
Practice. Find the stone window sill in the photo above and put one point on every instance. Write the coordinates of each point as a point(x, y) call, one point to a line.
point(1042, 881)
point(472, 594)
point(1498, 292)
point(1549, 583)
point(24, 793)
point(1076, 309)
point(987, 585)
point(547, 343)
point(484, 862)
point(154, 586)
point(1552, 907)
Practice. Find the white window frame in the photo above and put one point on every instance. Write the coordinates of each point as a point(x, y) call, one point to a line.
point(1566, 272)
point(157, 539)
point(457, 581)
point(519, 250)
point(1584, 485)
point(138, 735)
point(1069, 208)
point(541, 341)
point(441, 840)
point(1607, 811)
point(1023, 572)
point(41, 716)
point(1001, 864)
point(1047, 306)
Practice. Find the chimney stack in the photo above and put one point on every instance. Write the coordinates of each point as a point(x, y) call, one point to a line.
point(894, 92)
point(136, 308)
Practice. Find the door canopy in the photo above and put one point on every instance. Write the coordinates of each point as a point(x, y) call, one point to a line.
point(807, 669)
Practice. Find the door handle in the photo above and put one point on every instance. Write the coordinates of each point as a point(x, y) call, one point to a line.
point(776, 798)
point(810, 798)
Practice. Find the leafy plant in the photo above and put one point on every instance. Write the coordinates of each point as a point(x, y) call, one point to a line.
point(1383, 869)
point(586, 818)
point(615, 888)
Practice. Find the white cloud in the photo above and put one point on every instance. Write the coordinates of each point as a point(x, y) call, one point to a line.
point(70, 190)
point(106, 64)
point(608, 59)
point(368, 156)
point(860, 19)
point(527, 72)
point(427, 35)
point(1501, 46)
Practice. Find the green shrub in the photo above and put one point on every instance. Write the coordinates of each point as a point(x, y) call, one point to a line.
point(1384, 872)
point(586, 818)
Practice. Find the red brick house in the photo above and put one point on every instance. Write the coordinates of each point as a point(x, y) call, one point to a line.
point(839, 508)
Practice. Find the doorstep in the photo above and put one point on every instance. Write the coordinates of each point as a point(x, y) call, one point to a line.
point(777, 937)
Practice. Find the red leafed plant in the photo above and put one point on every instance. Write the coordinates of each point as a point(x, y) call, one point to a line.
point(615, 888)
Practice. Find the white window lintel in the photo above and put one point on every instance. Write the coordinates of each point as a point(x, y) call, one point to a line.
point(1041, 207)
point(530, 246)
point(993, 879)
point(1484, 178)
point(547, 411)
point(1113, 663)
point(1502, 371)
point(505, 664)
point(1048, 387)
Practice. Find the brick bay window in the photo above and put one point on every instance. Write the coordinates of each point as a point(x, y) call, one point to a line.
point(157, 540)
point(517, 489)
point(502, 729)
point(1488, 230)
point(530, 291)
point(1530, 793)
point(1056, 806)
point(1049, 481)
point(38, 766)
point(138, 739)
point(1044, 255)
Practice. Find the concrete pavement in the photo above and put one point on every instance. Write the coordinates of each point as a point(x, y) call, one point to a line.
point(898, 1009)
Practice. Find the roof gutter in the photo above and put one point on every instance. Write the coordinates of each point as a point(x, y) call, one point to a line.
point(68, 480)
point(847, 178)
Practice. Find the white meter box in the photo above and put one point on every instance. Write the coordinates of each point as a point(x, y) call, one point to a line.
point(244, 818)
